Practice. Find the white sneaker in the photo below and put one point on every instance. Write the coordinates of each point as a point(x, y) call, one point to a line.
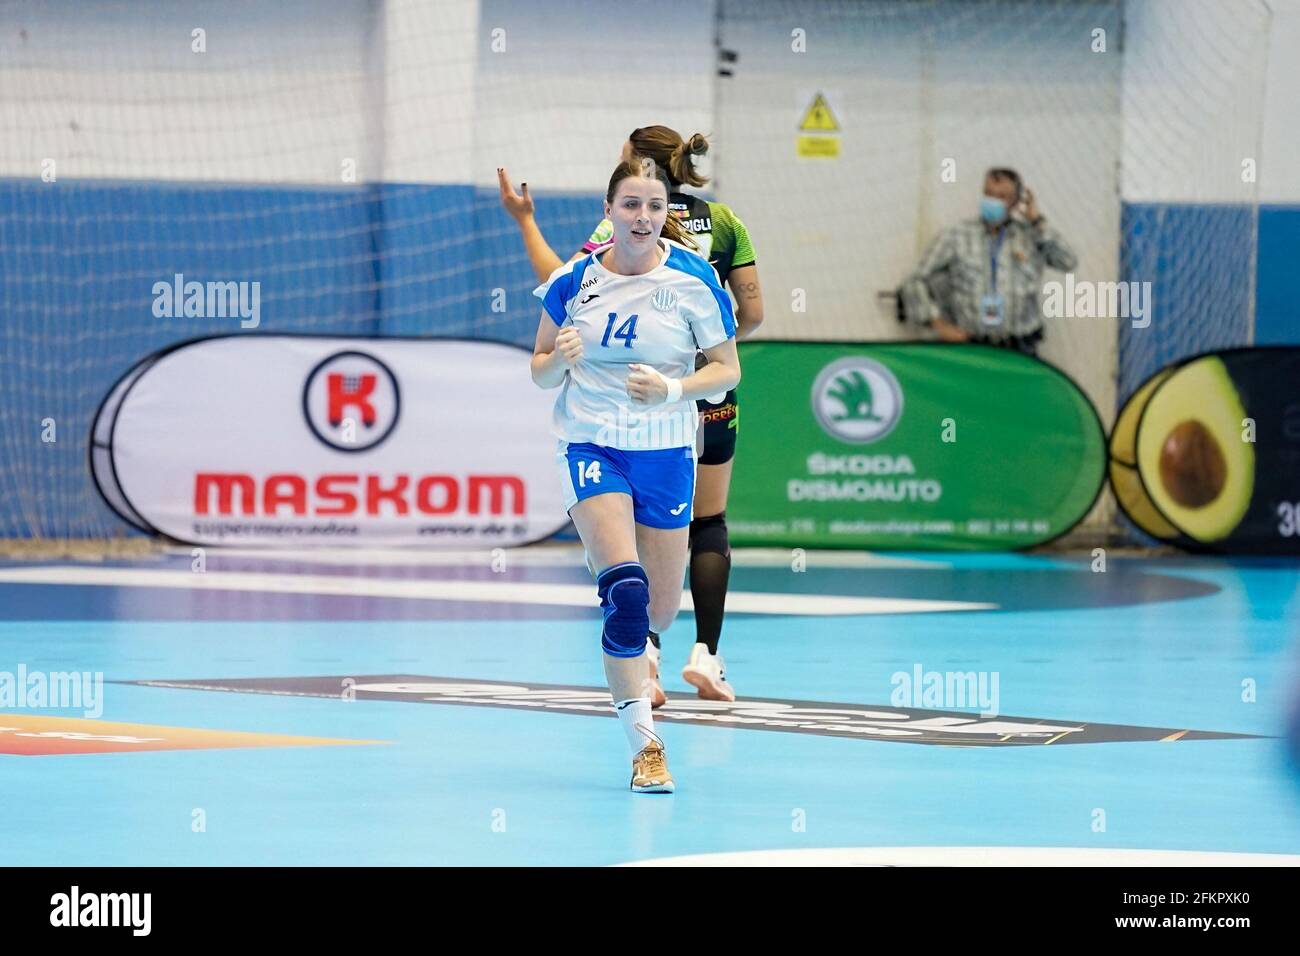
point(705, 672)
point(657, 696)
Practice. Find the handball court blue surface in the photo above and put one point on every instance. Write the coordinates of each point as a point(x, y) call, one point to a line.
point(1165, 643)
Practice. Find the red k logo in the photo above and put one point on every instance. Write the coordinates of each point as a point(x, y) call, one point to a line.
point(351, 401)
point(351, 391)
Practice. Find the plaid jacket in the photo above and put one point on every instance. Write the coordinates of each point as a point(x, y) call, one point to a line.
point(956, 273)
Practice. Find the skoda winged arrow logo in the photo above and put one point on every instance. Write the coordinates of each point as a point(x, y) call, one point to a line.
point(857, 400)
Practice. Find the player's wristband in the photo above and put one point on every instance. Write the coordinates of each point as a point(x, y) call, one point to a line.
point(674, 385)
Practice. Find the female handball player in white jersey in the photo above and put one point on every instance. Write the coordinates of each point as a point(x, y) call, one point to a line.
point(619, 332)
point(721, 238)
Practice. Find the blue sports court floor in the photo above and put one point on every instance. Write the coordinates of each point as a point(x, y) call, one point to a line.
point(397, 708)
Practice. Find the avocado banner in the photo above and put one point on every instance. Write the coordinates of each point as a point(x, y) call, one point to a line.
point(909, 445)
point(1206, 454)
point(1124, 480)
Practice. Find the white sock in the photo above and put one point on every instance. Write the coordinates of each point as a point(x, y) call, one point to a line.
point(632, 712)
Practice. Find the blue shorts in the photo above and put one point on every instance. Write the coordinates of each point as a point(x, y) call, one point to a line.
point(661, 482)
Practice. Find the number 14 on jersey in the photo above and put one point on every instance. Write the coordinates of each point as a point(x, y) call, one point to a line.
point(626, 331)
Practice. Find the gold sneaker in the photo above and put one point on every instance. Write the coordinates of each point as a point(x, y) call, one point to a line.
point(650, 770)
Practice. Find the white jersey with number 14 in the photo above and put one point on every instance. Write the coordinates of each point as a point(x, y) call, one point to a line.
point(659, 319)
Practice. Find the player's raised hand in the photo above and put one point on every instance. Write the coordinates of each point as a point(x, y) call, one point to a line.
point(568, 342)
point(645, 386)
point(519, 206)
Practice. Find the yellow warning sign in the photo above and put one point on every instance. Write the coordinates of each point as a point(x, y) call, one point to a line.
point(818, 118)
point(818, 147)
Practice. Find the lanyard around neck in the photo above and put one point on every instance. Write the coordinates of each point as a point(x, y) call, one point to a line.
point(994, 246)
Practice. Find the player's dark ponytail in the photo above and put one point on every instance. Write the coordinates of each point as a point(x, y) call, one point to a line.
point(667, 148)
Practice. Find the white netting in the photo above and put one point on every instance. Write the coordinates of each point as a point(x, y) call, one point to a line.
point(342, 154)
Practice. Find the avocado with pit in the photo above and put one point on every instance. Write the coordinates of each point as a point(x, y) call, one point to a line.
point(1194, 455)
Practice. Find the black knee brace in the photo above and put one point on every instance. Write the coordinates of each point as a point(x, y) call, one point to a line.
point(710, 534)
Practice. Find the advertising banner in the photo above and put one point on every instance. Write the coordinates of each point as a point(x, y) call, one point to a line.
point(909, 445)
point(293, 440)
point(1209, 459)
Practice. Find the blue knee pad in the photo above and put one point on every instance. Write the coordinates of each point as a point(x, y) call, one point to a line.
point(625, 598)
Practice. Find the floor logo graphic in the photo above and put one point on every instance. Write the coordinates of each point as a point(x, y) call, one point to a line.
point(825, 719)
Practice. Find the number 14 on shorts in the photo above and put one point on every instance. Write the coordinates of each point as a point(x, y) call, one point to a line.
point(588, 470)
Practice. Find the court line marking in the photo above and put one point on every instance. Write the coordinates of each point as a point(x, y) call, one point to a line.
point(973, 856)
point(484, 592)
point(552, 555)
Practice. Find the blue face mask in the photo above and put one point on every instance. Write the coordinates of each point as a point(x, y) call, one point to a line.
point(992, 210)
